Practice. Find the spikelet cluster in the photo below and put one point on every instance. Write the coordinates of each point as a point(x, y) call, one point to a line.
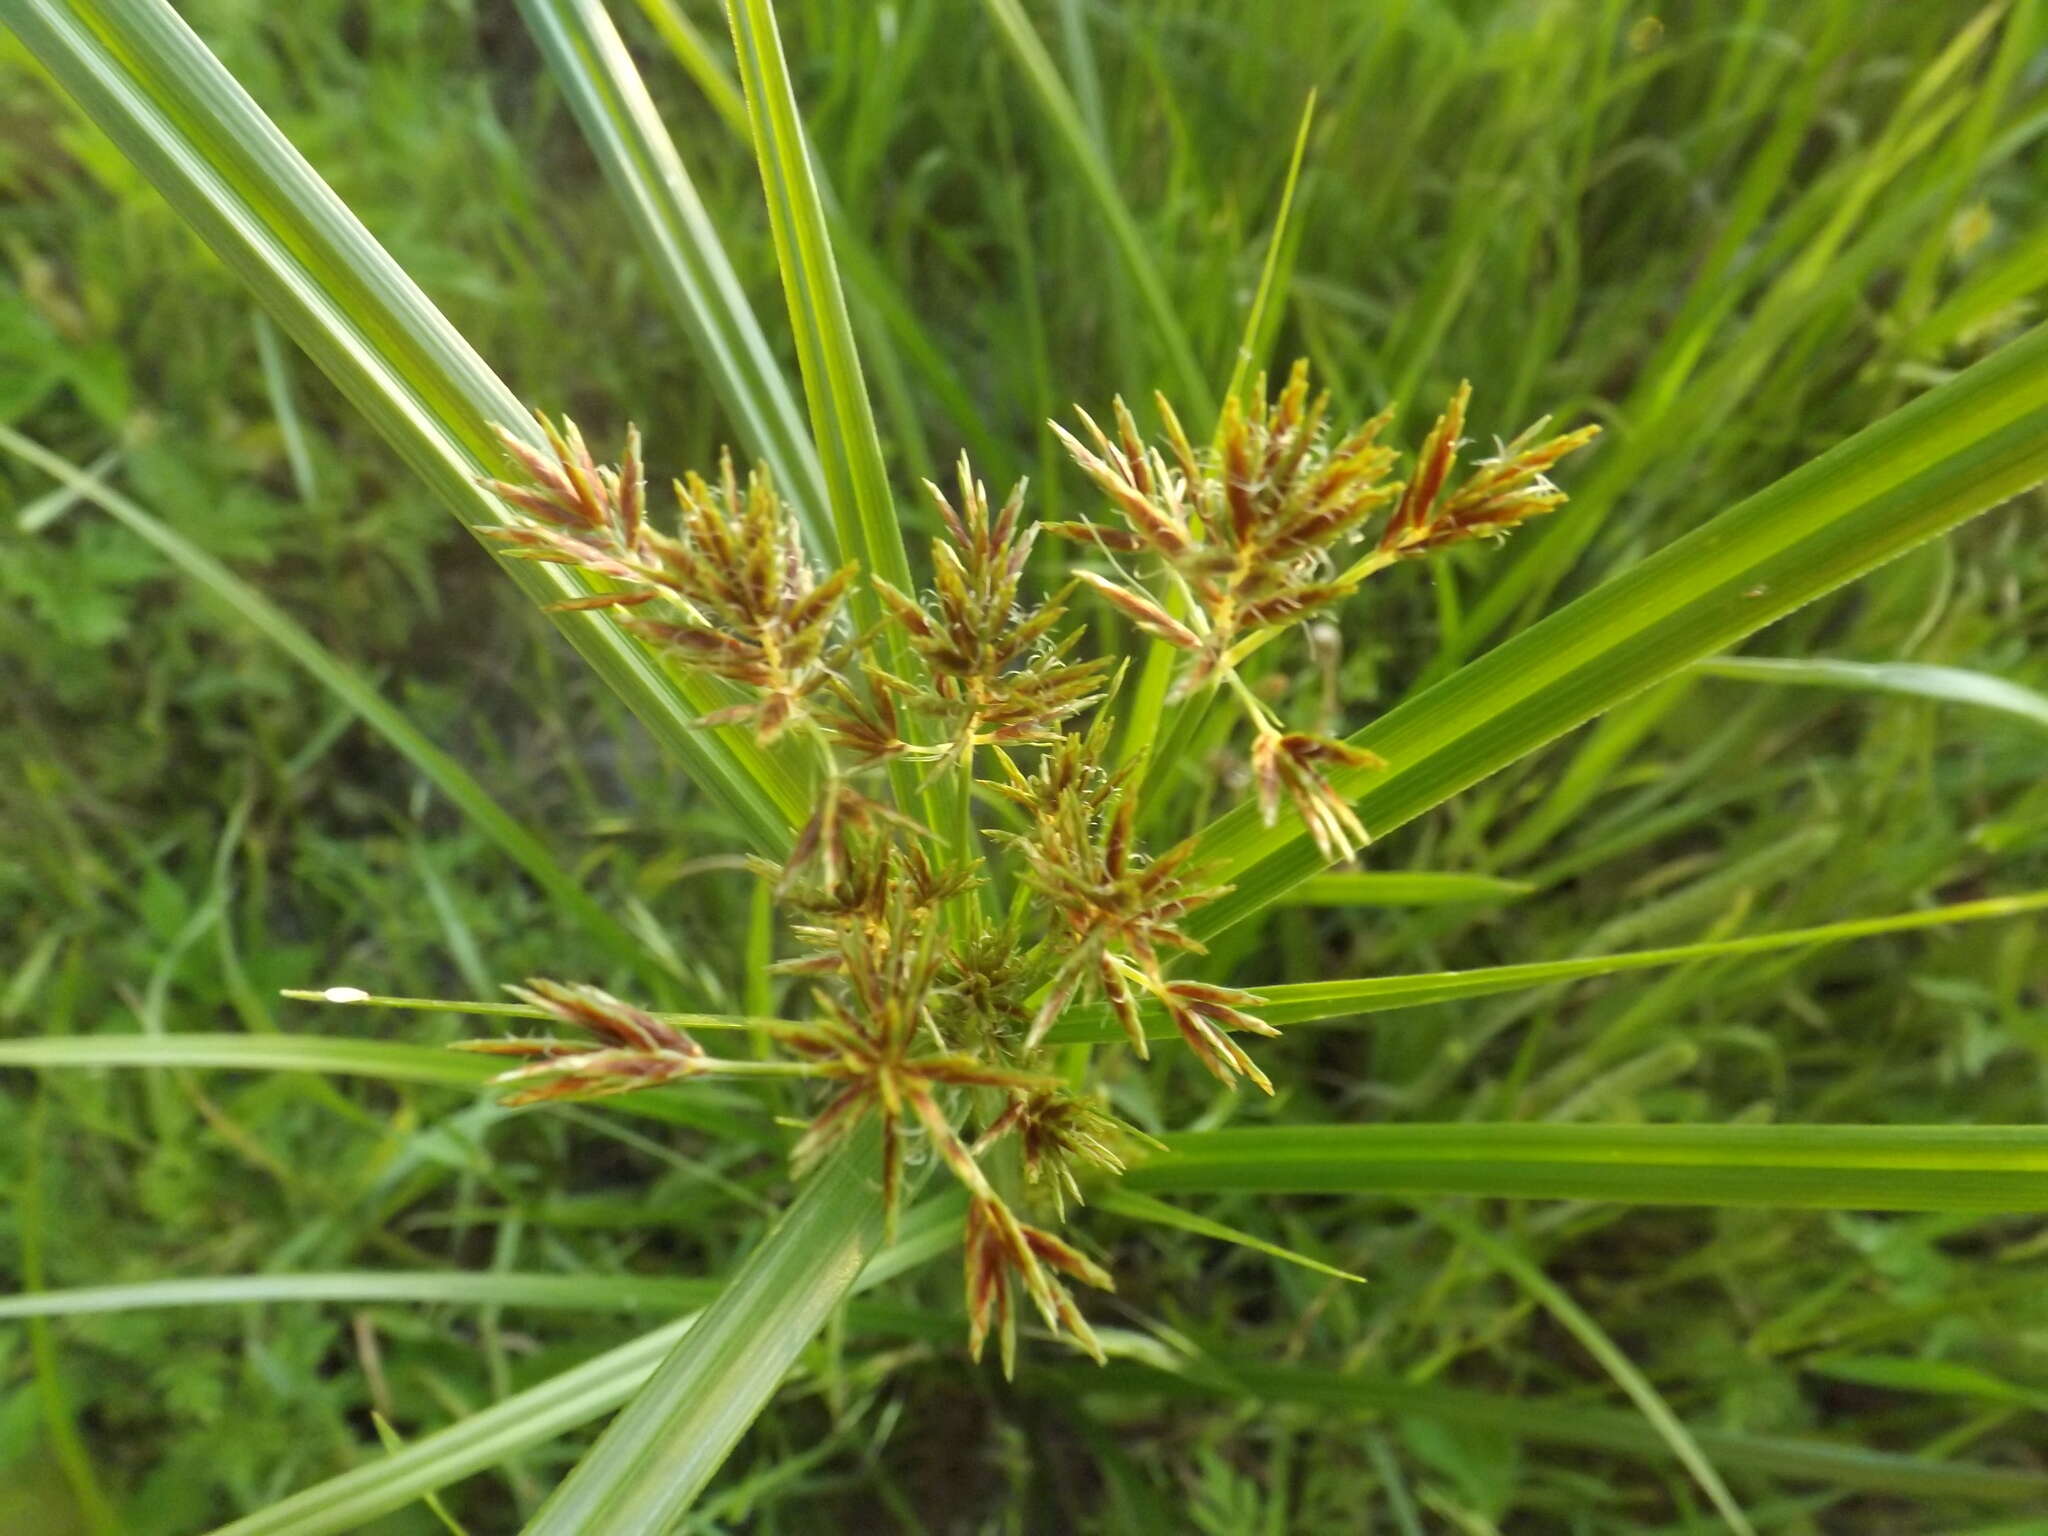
point(730, 593)
point(1247, 530)
point(1251, 537)
point(934, 960)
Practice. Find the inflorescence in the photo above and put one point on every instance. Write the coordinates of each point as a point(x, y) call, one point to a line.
point(938, 958)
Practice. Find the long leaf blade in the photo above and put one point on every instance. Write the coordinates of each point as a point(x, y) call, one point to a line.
point(702, 1105)
point(1910, 679)
point(1403, 888)
point(626, 1293)
point(842, 417)
point(1820, 1167)
point(589, 61)
point(655, 1457)
point(1316, 1002)
point(1626, 1373)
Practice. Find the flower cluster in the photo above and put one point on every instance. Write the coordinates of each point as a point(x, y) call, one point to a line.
point(938, 958)
point(744, 602)
point(1244, 533)
point(1246, 538)
point(995, 676)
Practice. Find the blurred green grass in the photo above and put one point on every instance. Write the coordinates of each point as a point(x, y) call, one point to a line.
point(1733, 232)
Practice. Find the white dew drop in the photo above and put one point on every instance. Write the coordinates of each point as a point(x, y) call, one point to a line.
point(345, 995)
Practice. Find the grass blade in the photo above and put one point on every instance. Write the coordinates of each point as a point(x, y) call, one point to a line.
point(1556, 1421)
point(1190, 383)
point(1403, 888)
point(590, 64)
point(626, 1293)
point(694, 51)
point(355, 691)
point(1617, 1364)
point(1316, 1002)
point(888, 319)
point(1945, 685)
point(1132, 1206)
point(529, 1418)
point(1816, 1167)
point(389, 1061)
point(1263, 318)
point(144, 78)
point(842, 418)
point(1955, 452)
point(1151, 721)
point(652, 1461)
point(926, 1231)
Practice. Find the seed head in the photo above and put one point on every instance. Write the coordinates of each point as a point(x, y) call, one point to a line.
point(743, 601)
point(1293, 761)
point(1501, 492)
point(639, 1050)
point(997, 675)
point(1247, 531)
point(925, 1006)
point(1056, 1130)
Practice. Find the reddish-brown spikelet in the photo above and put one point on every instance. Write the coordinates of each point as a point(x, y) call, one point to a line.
point(1292, 761)
point(1507, 489)
point(1001, 1252)
point(639, 1050)
point(748, 606)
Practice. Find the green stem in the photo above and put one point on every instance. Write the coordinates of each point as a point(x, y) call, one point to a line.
point(1262, 718)
point(348, 997)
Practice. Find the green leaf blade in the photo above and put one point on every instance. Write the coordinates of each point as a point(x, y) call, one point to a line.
point(652, 1461)
point(683, 249)
point(1908, 679)
point(842, 416)
point(1322, 1002)
point(1828, 1167)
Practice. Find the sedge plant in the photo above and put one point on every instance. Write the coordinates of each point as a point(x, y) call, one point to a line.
point(937, 957)
point(974, 879)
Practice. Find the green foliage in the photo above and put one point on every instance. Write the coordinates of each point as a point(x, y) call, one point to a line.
point(1734, 235)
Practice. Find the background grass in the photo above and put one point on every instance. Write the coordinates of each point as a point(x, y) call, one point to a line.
point(1733, 232)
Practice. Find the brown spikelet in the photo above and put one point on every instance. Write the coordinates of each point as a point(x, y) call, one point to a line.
point(1293, 761)
point(1002, 1253)
point(637, 1050)
point(929, 983)
point(1502, 491)
point(747, 604)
